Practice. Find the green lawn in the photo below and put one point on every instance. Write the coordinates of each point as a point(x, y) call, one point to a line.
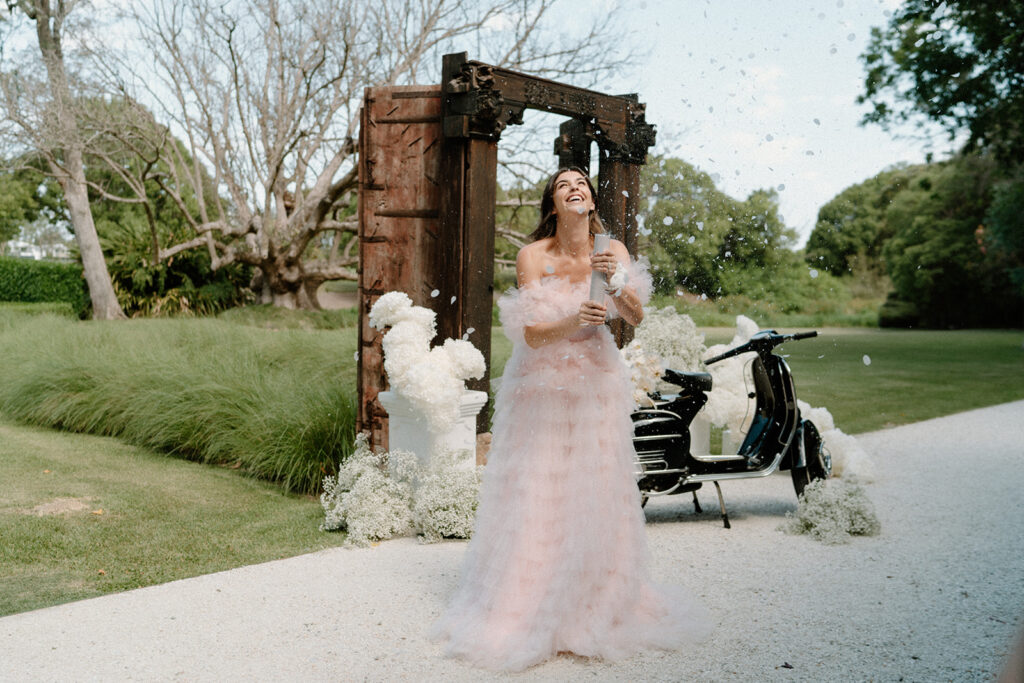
point(913, 375)
point(135, 518)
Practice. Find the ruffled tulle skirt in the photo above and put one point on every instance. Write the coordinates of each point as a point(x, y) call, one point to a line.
point(558, 561)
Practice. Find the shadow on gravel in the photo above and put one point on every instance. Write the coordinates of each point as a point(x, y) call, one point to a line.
point(681, 509)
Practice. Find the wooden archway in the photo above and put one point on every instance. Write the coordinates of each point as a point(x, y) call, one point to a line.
point(427, 185)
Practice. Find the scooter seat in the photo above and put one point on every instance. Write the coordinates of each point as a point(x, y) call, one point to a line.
point(689, 381)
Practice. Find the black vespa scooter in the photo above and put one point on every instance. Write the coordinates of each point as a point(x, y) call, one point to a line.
point(778, 438)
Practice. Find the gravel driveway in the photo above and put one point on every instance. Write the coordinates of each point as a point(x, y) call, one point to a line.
point(937, 596)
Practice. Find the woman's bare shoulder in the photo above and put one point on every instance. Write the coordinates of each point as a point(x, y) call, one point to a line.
point(618, 249)
point(528, 261)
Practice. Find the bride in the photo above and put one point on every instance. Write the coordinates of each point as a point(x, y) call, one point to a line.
point(558, 561)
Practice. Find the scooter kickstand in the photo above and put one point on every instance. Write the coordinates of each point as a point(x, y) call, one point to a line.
point(696, 504)
point(721, 505)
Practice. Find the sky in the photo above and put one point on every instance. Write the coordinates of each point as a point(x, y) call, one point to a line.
point(759, 93)
point(762, 94)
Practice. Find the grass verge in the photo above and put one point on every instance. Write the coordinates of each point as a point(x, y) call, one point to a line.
point(122, 517)
point(276, 404)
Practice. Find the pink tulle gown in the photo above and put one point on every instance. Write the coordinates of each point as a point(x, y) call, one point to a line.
point(558, 561)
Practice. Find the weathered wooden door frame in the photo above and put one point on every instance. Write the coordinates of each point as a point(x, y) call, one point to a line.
point(478, 101)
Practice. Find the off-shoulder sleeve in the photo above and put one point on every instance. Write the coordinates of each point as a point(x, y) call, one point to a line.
point(639, 272)
point(520, 308)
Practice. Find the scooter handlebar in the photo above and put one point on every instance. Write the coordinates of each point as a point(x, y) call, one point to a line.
point(764, 340)
point(728, 354)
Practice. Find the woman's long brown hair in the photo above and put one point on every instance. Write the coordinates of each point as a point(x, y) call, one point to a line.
point(549, 219)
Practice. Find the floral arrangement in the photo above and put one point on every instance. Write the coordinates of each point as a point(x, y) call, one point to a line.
point(377, 496)
point(431, 379)
point(645, 371)
point(831, 511)
point(445, 498)
point(672, 337)
point(370, 496)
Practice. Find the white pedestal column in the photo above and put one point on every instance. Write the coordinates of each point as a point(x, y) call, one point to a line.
point(407, 429)
point(700, 435)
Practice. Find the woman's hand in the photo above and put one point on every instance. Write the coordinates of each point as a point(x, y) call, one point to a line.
point(591, 313)
point(604, 262)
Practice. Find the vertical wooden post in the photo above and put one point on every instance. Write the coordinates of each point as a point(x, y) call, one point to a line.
point(617, 199)
point(467, 248)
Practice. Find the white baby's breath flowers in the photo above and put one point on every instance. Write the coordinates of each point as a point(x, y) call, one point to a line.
point(370, 496)
point(431, 379)
point(831, 511)
point(645, 371)
point(673, 337)
point(445, 497)
point(377, 496)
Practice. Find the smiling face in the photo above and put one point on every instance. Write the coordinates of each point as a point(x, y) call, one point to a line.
point(567, 194)
point(572, 194)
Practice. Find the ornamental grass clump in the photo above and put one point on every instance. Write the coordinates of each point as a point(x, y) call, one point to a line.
point(831, 510)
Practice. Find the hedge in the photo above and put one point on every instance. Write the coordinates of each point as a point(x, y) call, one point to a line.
point(28, 281)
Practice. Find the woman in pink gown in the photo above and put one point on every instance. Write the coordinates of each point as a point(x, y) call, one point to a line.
point(558, 561)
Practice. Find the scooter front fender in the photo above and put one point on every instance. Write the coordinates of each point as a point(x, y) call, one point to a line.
point(797, 451)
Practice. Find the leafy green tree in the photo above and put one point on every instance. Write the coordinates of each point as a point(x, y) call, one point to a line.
point(143, 210)
point(16, 205)
point(959, 63)
point(30, 201)
point(700, 239)
point(1004, 228)
point(937, 257)
point(41, 115)
point(851, 227)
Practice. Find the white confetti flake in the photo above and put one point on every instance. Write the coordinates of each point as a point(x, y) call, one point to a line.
point(435, 293)
point(866, 359)
point(667, 220)
point(813, 273)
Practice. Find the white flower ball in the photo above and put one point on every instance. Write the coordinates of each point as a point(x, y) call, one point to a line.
point(387, 309)
point(466, 359)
